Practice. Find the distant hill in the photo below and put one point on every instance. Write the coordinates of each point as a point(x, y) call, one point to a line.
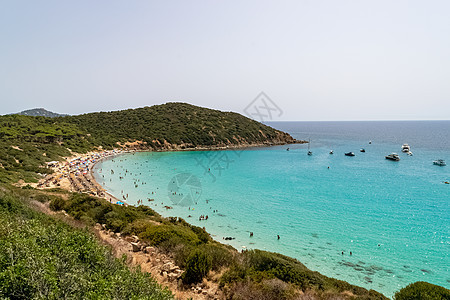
point(40, 112)
point(175, 126)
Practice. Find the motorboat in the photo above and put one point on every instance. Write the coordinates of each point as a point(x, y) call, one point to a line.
point(406, 148)
point(309, 145)
point(362, 150)
point(393, 156)
point(350, 154)
point(409, 153)
point(439, 162)
point(331, 152)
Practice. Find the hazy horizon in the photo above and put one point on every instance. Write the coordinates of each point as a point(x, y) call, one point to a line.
point(315, 60)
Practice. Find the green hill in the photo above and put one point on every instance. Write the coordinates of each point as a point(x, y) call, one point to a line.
point(179, 124)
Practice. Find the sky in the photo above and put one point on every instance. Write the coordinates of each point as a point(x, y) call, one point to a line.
point(314, 60)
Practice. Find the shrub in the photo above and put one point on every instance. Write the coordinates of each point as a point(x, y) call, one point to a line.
point(219, 255)
point(87, 220)
point(202, 235)
point(266, 290)
point(158, 234)
point(197, 267)
point(41, 197)
point(136, 228)
point(57, 204)
point(114, 222)
point(424, 291)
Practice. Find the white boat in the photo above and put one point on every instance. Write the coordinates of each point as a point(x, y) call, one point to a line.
point(409, 153)
point(406, 148)
point(439, 162)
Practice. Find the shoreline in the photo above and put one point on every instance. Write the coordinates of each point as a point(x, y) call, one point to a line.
point(213, 236)
point(235, 244)
point(111, 154)
point(77, 181)
point(106, 155)
point(223, 231)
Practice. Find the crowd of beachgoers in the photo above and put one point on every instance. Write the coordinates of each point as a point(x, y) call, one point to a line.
point(75, 174)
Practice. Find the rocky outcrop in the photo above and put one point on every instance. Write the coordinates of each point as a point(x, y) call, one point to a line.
point(281, 139)
point(159, 264)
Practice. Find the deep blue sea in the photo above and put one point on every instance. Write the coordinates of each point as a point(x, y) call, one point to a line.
point(394, 217)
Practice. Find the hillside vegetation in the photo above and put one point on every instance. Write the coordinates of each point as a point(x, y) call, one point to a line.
point(26, 143)
point(177, 123)
point(44, 258)
point(423, 291)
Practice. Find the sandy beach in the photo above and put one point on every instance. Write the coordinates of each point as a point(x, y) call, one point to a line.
point(75, 174)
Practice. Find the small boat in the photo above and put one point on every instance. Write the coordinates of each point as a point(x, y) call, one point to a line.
point(406, 148)
point(309, 144)
point(393, 156)
point(439, 162)
point(350, 154)
point(331, 152)
point(409, 153)
point(362, 150)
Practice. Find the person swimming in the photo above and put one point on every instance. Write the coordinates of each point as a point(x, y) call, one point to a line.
point(278, 236)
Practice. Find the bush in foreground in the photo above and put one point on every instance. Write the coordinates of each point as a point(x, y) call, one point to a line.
point(42, 258)
point(198, 265)
point(423, 291)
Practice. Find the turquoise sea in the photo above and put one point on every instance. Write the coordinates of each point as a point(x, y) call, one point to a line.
point(393, 216)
